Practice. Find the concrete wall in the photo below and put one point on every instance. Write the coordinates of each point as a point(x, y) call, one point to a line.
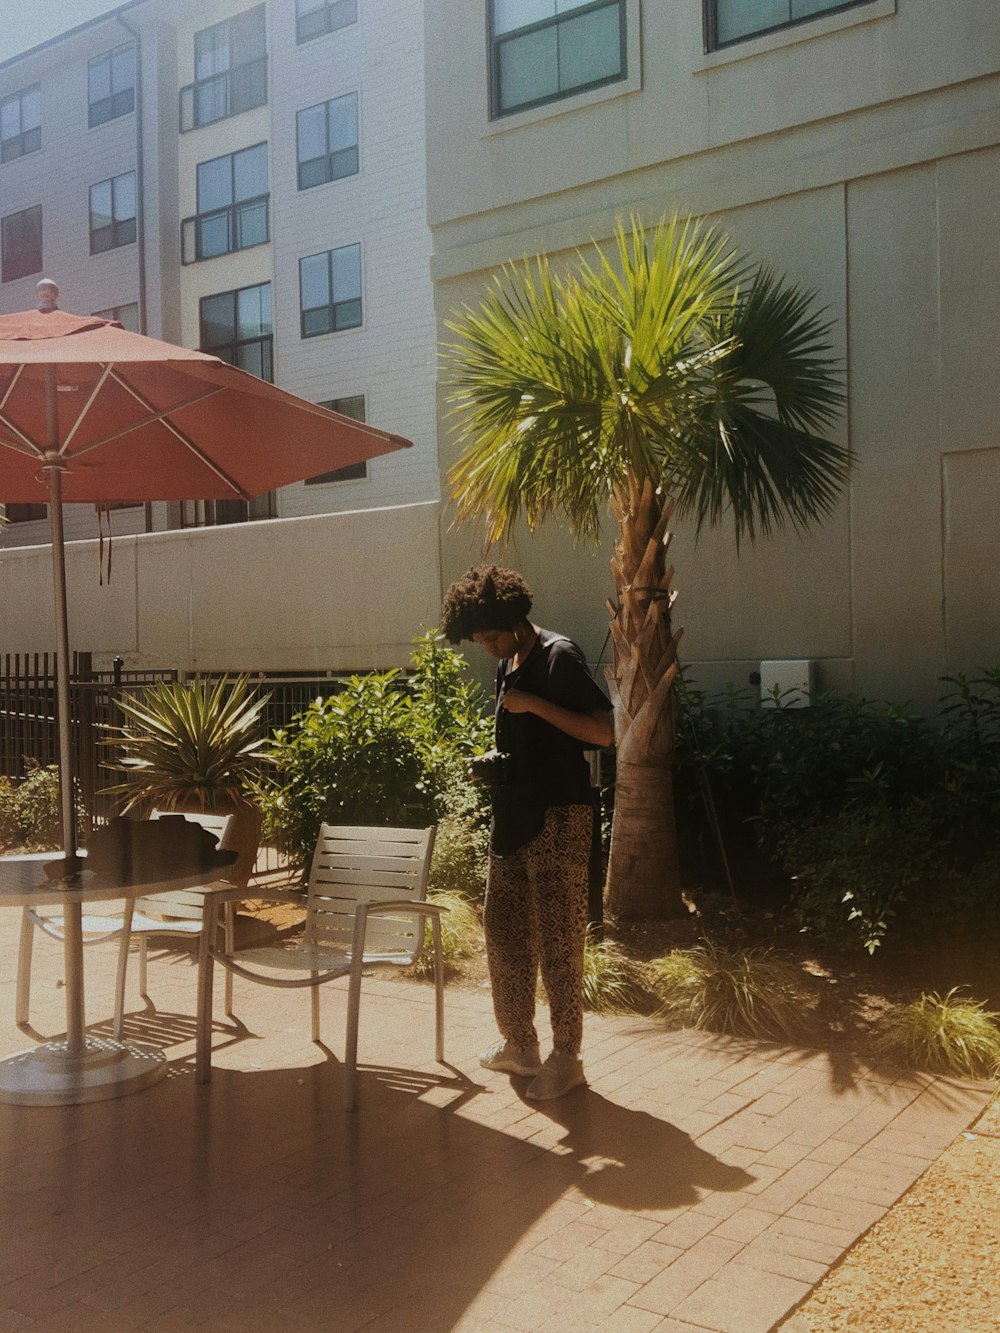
point(856, 153)
point(321, 593)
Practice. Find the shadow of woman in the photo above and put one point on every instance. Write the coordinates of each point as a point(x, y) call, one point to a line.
point(634, 1161)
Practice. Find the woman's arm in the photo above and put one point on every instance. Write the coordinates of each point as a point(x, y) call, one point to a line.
point(595, 728)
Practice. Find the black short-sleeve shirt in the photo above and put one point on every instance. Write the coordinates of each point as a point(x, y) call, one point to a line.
point(548, 767)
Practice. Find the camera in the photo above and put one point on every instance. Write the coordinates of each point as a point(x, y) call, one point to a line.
point(493, 768)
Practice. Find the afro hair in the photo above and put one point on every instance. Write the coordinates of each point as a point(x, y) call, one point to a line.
point(485, 597)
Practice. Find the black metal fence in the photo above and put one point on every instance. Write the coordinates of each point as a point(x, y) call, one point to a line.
point(28, 716)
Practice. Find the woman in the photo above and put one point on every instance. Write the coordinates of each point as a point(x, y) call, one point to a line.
point(548, 711)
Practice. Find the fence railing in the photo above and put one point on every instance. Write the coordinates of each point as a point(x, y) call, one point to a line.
point(28, 732)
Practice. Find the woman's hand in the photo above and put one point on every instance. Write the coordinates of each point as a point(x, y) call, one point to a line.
point(596, 728)
point(519, 701)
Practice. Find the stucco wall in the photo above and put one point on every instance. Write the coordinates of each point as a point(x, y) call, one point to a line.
point(329, 592)
point(858, 154)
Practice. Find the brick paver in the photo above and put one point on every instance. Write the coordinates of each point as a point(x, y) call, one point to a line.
point(698, 1183)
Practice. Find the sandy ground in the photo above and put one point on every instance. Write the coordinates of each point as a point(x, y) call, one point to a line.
point(932, 1264)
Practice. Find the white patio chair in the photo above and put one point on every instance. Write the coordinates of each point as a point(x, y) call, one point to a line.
point(365, 904)
point(177, 914)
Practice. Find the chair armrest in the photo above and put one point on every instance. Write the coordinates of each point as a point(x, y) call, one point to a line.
point(427, 909)
point(228, 894)
point(364, 910)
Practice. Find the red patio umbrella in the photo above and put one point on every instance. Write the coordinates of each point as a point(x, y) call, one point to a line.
point(90, 412)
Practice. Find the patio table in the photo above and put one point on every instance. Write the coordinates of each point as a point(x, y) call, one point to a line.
point(78, 1068)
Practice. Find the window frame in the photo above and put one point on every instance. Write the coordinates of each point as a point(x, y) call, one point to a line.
point(327, 8)
point(5, 263)
point(331, 306)
point(264, 340)
point(6, 152)
point(339, 475)
point(190, 96)
point(710, 14)
point(18, 512)
point(495, 42)
point(327, 157)
point(118, 228)
point(94, 121)
point(114, 312)
point(192, 227)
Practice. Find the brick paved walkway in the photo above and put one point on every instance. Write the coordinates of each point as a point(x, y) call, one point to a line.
point(699, 1183)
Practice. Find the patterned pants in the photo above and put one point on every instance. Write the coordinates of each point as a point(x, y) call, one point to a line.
point(536, 911)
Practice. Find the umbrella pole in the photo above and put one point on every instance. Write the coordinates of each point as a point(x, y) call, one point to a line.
point(72, 912)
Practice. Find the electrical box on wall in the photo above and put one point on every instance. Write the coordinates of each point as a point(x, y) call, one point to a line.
point(787, 684)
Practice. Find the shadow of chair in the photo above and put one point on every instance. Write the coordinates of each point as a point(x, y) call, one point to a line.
point(177, 913)
point(365, 905)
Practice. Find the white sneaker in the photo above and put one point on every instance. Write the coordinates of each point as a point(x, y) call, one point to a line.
point(559, 1074)
point(508, 1059)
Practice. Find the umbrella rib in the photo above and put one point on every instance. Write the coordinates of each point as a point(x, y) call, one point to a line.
point(33, 448)
point(85, 409)
point(163, 416)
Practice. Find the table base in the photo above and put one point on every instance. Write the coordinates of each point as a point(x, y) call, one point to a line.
point(51, 1075)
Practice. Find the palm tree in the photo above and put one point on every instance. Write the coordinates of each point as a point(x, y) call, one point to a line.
point(671, 374)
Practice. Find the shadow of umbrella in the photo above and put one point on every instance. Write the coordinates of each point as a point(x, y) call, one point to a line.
point(92, 413)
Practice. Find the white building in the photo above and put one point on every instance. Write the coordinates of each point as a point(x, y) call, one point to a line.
point(248, 179)
point(855, 146)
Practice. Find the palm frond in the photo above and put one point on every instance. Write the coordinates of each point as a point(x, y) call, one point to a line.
point(665, 359)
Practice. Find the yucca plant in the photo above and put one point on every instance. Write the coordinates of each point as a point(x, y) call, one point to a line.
point(943, 1034)
point(612, 983)
point(461, 932)
point(746, 992)
point(194, 744)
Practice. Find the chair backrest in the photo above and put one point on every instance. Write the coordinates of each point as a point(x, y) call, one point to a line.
point(185, 904)
point(368, 865)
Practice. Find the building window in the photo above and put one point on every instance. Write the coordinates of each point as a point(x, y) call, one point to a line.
point(230, 70)
point(353, 407)
point(327, 141)
point(315, 18)
point(111, 85)
point(126, 315)
point(25, 513)
point(729, 21)
point(232, 206)
point(546, 49)
point(112, 213)
point(330, 291)
point(21, 123)
point(236, 326)
point(21, 243)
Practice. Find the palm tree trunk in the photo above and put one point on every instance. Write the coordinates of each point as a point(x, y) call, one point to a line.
point(643, 872)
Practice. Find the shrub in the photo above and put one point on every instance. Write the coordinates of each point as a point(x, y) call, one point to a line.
point(36, 811)
point(385, 749)
point(752, 992)
point(348, 759)
point(461, 933)
point(869, 807)
point(612, 982)
point(853, 871)
point(943, 1035)
point(8, 819)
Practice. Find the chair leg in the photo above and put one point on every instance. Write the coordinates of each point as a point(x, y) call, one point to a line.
point(438, 989)
point(23, 1000)
point(314, 996)
point(351, 1044)
point(123, 949)
point(143, 982)
point(229, 936)
point(203, 1025)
